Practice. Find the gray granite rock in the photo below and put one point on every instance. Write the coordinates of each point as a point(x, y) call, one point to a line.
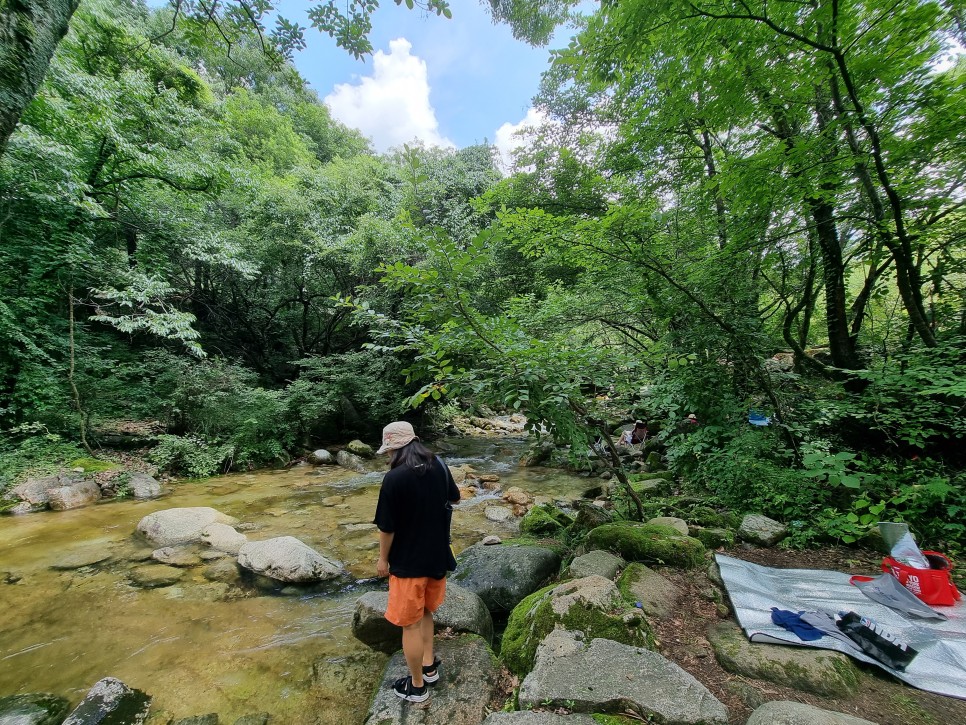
point(503, 575)
point(287, 559)
point(224, 538)
point(461, 611)
point(83, 556)
point(467, 683)
point(351, 461)
point(525, 717)
point(658, 596)
point(143, 486)
point(35, 491)
point(601, 563)
point(73, 496)
point(761, 530)
point(111, 702)
point(605, 676)
point(180, 525)
point(798, 713)
point(320, 457)
point(180, 556)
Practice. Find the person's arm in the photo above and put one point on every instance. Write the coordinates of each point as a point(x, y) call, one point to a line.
point(385, 544)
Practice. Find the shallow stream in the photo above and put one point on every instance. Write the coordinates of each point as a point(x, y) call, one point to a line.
point(203, 646)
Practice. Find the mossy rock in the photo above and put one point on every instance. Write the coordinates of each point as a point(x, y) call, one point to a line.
point(666, 475)
point(604, 615)
point(613, 720)
point(714, 538)
point(590, 517)
point(708, 517)
point(545, 520)
point(93, 465)
point(825, 673)
point(648, 543)
point(555, 545)
point(651, 486)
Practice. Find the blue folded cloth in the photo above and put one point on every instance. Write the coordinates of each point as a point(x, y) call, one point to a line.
point(793, 623)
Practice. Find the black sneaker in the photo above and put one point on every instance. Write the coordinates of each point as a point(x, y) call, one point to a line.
point(431, 672)
point(404, 688)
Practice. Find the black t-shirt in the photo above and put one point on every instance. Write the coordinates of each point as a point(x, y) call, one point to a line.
point(415, 508)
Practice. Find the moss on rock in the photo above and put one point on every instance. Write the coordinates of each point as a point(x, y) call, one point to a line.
point(648, 543)
point(536, 616)
point(545, 520)
point(713, 538)
point(93, 465)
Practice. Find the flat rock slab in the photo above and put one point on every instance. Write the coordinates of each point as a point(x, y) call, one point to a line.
point(180, 556)
point(467, 682)
point(87, 556)
point(601, 563)
point(605, 676)
point(155, 576)
point(820, 671)
point(657, 595)
point(537, 718)
point(797, 713)
point(287, 559)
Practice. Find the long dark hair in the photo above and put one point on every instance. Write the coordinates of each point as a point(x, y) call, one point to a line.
point(414, 455)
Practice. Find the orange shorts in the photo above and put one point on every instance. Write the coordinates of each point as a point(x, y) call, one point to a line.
point(410, 597)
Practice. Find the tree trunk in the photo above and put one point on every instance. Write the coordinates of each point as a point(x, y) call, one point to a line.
point(29, 34)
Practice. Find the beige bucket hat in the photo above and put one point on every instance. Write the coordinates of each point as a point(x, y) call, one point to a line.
point(396, 435)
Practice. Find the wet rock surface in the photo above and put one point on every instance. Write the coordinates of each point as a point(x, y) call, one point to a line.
point(503, 575)
point(33, 709)
point(111, 702)
point(467, 683)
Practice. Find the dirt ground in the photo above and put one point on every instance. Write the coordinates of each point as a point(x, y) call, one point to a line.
point(881, 698)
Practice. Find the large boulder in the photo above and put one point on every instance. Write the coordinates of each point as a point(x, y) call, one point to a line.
point(602, 563)
point(656, 595)
point(604, 676)
point(358, 448)
point(223, 538)
point(111, 702)
point(35, 491)
point(33, 709)
point(180, 525)
point(592, 606)
point(648, 543)
point(351, 461)
point(503, 575)
point(545, 520)
point(539, 453)
point(73, 496)
point(143, 486)
point(781, 712)
point(321, 457)
point(761, 530)
point(461, 611)
point(823, 672)
point(467, 683)
point(287, 559)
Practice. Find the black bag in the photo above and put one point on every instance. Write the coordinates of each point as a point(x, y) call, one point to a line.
point(876, 642)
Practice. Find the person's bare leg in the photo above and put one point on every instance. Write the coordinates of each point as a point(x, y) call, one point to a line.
point(426, 623)
point(412, 641)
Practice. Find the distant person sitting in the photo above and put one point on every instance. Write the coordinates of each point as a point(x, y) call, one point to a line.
point(638, 433)
point(692, 419)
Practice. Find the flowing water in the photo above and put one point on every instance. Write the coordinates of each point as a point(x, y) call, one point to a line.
point(203, 646)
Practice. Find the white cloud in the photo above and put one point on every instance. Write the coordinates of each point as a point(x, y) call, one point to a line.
point(512, 136)
point(392, 105)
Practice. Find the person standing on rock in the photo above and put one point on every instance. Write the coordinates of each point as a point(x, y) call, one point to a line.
point(413, 516)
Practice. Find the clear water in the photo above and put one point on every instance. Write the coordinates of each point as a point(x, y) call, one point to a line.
point(198, 646)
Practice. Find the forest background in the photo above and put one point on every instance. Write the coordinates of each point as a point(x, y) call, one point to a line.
point(734, 207)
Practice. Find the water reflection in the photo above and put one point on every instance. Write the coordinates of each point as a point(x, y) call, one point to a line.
point(203, 644)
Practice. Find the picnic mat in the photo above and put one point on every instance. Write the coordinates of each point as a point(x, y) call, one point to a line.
point(939, 667)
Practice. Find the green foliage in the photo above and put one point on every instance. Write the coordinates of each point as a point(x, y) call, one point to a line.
point(191, 455)
point(32, 450)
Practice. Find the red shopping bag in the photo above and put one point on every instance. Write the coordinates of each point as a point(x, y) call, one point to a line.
point(933, 586)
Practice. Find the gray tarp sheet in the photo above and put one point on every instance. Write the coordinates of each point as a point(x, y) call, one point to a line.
point(939, 667)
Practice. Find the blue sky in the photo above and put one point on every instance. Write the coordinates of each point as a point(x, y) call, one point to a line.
point(448, 82)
